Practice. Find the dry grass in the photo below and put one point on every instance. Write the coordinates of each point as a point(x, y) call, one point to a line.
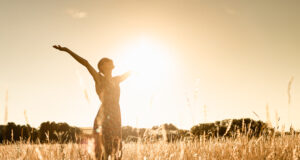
point(285, 147)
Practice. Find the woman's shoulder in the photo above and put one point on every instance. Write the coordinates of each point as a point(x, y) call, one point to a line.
point(117, 79)
point(99, 80)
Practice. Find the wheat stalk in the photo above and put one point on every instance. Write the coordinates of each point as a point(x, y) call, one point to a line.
point(289, 99)
point(289, 89)
point(205, 113)
point(276, 120)
point(6, 108)
point(268, 120)
point(81, 83)
point(26, 117)
point(228, 127)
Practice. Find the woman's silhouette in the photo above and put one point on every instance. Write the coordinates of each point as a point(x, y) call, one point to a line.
point(107, 125)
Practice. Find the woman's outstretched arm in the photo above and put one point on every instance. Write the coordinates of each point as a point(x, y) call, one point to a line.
point(123, 77)
point(81, 60)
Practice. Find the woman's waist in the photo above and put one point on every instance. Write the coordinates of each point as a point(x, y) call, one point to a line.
point(110, 102)
point(110, 106)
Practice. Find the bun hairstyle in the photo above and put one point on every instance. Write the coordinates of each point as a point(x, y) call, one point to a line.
point(101, 62)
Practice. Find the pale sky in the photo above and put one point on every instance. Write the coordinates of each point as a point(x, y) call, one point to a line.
point(233, 56)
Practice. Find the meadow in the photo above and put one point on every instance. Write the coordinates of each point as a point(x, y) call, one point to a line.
point(264, 147)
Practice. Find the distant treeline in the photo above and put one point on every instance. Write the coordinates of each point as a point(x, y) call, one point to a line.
point(48, 132)
point(225, 128)
point(232, 128)
point(167, 132)
point(51, 132)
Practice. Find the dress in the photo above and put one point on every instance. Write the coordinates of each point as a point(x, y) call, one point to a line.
point(107, 125)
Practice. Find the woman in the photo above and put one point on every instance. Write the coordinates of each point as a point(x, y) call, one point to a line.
point(107, 125)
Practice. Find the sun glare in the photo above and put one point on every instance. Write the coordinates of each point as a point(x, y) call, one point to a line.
point(148, 61)
point(151, 66)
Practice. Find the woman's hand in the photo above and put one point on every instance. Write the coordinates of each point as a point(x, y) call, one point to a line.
point(61, 48)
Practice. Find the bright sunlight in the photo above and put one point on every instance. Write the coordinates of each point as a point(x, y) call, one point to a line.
point(152, 70)
point(148, 61)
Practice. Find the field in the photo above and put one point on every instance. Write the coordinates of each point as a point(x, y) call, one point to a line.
point(284, 147)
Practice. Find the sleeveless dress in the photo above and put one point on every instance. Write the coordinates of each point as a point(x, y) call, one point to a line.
point(107, 125)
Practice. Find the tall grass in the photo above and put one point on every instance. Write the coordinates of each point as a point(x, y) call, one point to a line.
point(219, 148)
point(285, 147)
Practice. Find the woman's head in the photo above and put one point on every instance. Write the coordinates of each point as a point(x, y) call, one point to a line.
point(105, 65)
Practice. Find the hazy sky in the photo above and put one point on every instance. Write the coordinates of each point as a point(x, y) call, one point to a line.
point(235, 57)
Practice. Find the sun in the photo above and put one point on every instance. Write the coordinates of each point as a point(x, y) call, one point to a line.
point(143, 93)
point(148, 61)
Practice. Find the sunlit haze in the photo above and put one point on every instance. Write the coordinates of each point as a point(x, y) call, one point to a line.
point(192, 61)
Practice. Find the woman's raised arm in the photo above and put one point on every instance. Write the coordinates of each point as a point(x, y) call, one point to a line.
point(123, 77)
point(81, 60)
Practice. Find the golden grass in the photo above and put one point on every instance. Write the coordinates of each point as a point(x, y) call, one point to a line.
point(285, 147)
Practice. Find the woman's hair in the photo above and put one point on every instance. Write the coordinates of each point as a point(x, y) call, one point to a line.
point(101, 62)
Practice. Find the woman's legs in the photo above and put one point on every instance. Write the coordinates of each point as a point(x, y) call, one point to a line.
point(108, 135)
point(98, 138)
point(117, 148)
